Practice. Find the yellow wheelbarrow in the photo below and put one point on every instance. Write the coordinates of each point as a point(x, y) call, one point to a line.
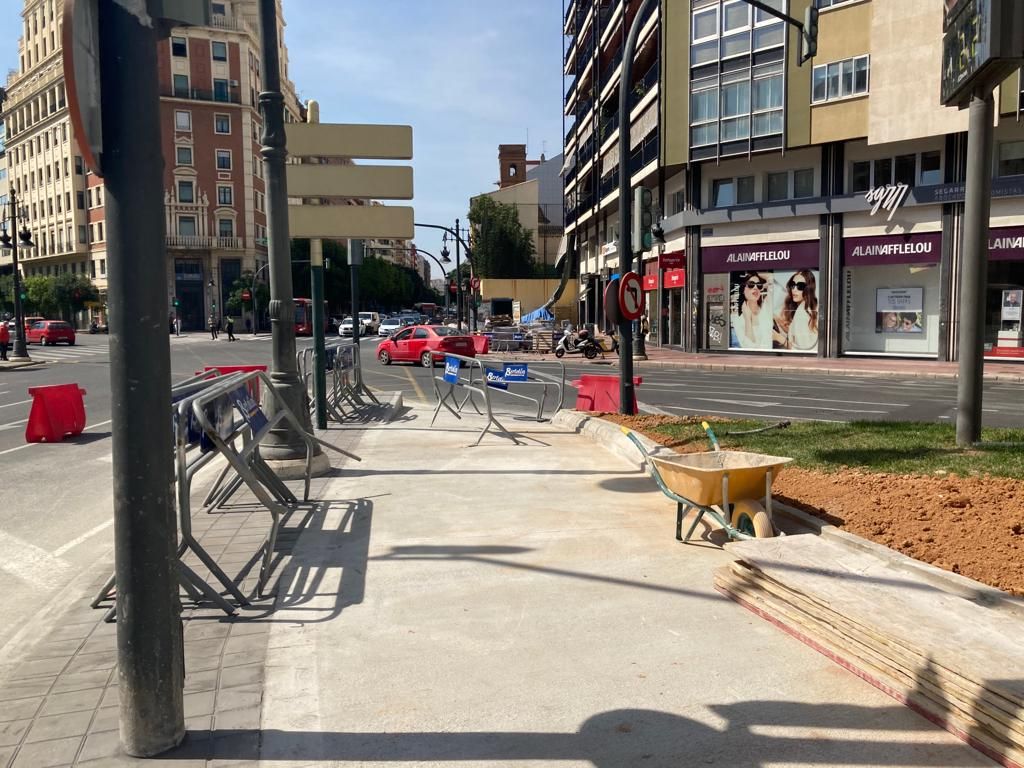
point(726, 485)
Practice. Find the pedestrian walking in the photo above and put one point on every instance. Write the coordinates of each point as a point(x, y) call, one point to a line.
point(5, 339)
point(177, 325)
point(213, 326)
point(229, 326)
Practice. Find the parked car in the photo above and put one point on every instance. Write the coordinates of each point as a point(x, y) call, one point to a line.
point(50, 332)
point(424, 344)
point(391, 325)
point(370, 322)
point(345, 327)
point(30, 321)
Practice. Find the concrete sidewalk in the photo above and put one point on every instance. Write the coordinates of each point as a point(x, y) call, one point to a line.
point(455, 606)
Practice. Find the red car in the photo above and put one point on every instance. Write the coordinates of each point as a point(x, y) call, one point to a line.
point(425, 344)
point(50, 332)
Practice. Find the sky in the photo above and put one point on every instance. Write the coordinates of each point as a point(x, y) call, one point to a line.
point(466, 74)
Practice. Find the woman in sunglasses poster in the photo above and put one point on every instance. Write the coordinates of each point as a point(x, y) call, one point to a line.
point(751, 320)
point(796, 321)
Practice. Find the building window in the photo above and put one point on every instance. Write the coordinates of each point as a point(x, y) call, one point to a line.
point(735, 110)
point(766, 101)
point(179, 47)
point(830, 3)
point(225, 228)
point(182, 120)
point(1011, 158)
point(728, 192)
point(103, 266)
point(184, 155)
point(220, 90)
point(80, 200)
point(83, 234)
point(79, 168)
point(225, 195)
point(220, 50)
point(704, 116)
point(218, 9)
point(181, 86)
point(931, 168)
point(222, 123)
point(906, 171)
point(186, 192)
point(840, 79)
point(803, 183)
point(187, 226)
point(776, 186)
point(223, 159)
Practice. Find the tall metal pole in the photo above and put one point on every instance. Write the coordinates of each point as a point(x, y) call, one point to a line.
point(355, 260)
point(281, 443)
point(625, 248)
point(973, 274)
point(150, 655)
point(458, 278)
point(20, 347)
point(316, 268)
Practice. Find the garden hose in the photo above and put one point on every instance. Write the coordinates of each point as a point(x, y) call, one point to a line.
point(779, 425)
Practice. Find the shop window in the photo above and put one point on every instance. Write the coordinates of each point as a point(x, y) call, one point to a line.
point(1011, 158)
point(931, 168)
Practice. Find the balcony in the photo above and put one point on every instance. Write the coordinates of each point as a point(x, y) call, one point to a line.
point(231, 96)
point(203, 242)
point(571, 93)
point(234, 23)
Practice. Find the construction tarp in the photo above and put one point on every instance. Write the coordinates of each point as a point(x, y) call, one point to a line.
point(536, 316)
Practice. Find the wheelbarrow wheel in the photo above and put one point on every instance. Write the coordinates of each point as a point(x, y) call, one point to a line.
point(750, 517)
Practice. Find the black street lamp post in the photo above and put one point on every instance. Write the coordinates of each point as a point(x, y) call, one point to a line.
point(459, 242)
point(23, 239)
point(440, 264)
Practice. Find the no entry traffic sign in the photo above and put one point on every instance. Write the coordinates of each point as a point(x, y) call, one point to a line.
point(631, 296)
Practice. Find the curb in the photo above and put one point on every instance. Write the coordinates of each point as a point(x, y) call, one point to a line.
point(10, 366)
point(610, 437)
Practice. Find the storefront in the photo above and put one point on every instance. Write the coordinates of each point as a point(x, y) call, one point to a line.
point(1003, 330)
point(761, 297)
point(891, 295)
point(673, 282)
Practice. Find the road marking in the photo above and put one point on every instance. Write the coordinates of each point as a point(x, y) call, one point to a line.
point(751, 403)
point(749, 415)
point(20, 402)
point(30, 564)
point(688, 390)
point(60, 551)
point(12, 424)
point(29, 445)
point(756, 404)
point(415, 385)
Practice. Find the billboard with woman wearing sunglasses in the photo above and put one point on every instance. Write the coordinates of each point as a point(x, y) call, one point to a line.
point(752, 316)
point(774, 310)
point(796, 322)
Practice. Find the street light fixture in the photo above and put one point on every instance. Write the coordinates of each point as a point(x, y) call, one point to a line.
point(469, 258)
point(23, 240)
point(444, 258)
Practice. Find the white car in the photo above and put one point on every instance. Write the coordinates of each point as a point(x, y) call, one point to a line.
point(345, 327)
point(370, 322)
point(391, 324)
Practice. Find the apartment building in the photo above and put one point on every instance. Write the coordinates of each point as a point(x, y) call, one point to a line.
point(830, 195)
point(6, 258)
point(214, 188)
point(595, 31)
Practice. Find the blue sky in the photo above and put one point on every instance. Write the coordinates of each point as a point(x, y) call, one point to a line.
point(466, 74)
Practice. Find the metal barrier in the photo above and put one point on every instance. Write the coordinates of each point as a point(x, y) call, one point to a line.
point(345, 384)
point(517, 374)
point(453, 379)
point(211, 413)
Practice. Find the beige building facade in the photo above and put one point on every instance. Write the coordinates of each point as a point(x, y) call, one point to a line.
point(818, 210)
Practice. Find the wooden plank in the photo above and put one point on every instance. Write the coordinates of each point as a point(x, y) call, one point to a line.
point(364, 182)
point(368, 142)
point(977, 642)
point(337, 222)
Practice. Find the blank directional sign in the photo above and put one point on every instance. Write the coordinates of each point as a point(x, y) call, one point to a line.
point(364, 182)
point(358, 221)
point(370, 142)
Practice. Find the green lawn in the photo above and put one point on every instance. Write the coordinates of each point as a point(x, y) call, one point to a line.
point(876, 446)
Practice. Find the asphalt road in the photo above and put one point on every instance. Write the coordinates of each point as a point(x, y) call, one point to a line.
point(55, 500)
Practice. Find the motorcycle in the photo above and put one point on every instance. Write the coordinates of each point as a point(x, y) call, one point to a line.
point(577, 344)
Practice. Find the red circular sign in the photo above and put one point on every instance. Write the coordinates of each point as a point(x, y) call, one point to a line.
point(631, 296)
point(475, 283)
point(246, 295)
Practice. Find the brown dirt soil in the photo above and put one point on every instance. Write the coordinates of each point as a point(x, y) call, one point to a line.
point(973, 526)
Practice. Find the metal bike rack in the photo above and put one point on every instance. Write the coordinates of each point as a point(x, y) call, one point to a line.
point(454, 381)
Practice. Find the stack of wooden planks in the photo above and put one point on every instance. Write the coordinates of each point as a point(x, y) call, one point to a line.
point(954, 654)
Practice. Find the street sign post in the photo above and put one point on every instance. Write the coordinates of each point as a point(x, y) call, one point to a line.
point(612, 309)
point(631, 296)
point(474, 283)
point(80, 38)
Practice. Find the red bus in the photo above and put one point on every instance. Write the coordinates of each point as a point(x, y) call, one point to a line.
point(304, 317)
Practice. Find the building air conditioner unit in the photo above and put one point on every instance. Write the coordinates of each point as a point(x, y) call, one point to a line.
point(233, 83)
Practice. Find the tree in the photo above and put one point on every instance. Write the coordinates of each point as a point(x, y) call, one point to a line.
point(235, 305)
point(58, 296)
point(502, 248)
point(6, 294)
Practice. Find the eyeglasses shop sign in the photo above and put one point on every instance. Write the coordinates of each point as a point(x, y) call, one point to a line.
point(716, 259)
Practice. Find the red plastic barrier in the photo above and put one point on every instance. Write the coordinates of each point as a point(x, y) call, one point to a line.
point(481, 344)
point(57, 412)
point(601, 393)
point(254, 386)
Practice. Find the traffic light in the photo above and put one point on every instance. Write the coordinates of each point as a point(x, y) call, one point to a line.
point(22, 295)
point(809, 35)
point(176, 302)
point(643, 219)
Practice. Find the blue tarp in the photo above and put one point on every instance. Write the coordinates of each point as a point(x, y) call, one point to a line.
point(537, 314)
